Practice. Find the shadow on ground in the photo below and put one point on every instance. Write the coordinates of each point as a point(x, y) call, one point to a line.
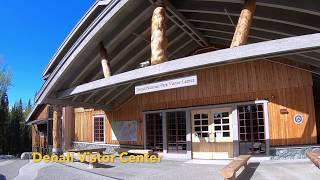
point(2, 177)
point(248, 172)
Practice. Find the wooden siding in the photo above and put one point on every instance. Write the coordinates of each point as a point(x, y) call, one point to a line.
point(83, 125)
point(285, 88)
point(42, 114)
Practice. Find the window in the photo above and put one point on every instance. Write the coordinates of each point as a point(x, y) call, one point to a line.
point(201, 125)
point(98, 124)
point(221, 123)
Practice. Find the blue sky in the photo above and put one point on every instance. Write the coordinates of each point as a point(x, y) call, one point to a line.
point(30, 33)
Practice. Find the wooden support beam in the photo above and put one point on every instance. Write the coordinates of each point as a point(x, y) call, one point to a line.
point(158, 35)
point(68, 127)
point(56, 129)
point(244, 23)
point(104, 61)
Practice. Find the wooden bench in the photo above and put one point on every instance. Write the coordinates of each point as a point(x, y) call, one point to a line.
point(314, 157)
point(90, 150)
point(229, 171)
point(135, 151)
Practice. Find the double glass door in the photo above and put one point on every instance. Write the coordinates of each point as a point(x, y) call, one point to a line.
point(175, 130)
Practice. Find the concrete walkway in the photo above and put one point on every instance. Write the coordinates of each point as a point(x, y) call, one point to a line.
point(10, 168)
point(167, 169)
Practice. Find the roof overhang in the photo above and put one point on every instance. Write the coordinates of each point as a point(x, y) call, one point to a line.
point(75, 33)
point(75, 77)
point(39, 122)
point(262, 50)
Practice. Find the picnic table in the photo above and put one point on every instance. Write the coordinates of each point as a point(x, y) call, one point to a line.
point(90, 150)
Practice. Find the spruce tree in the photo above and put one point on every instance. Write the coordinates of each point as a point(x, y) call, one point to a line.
point(5, 80)
point(26, 129)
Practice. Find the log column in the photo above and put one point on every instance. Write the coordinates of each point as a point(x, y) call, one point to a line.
point(158, 34)
point(244, 23)
point(104, 61)
point(56, 129)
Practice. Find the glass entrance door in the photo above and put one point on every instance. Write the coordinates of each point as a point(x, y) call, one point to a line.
point(154, 136)
point(251, 129)
point(176, 132)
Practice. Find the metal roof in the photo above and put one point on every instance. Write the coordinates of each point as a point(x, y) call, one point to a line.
point(124, 27)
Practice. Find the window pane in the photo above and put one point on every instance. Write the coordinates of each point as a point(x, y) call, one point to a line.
point(225, 121)
point(226, 127)
point(204, 116)
point(217, 121)
point(205, 128)
point(196, 122)
point(226, 134)
point(216, 115)
point(204, 122)
point(225, 114)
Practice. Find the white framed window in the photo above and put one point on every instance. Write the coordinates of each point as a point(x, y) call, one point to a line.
point(222, 123)
point(99, 129)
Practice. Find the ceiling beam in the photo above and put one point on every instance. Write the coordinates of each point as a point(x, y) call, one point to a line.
point(248, 52)
point(176, 17)
point(252, 27)
point(133, 59)
point(273, 4)
point(255, 17)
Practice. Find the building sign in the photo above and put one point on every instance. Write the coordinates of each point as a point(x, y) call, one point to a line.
point(298, 119)
point(168, 84)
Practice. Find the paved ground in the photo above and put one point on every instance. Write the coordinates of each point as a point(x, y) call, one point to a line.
point(10, 168)
point(167, 169)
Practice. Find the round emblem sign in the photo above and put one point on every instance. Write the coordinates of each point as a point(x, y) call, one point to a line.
point(298, 119)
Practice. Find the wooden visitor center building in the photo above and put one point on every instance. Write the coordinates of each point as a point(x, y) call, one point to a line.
point(206, 79)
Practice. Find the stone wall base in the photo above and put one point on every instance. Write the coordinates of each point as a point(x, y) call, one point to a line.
point(292, 152)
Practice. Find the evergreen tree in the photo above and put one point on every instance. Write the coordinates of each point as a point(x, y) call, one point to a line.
point(4, 120)
point(15, 135)
point(26, 130)
point(5, 80)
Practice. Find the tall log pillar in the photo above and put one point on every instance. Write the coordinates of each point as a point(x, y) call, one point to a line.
point(158, 34)
point(56, 130)
point(244, 23)
point(104, 61)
